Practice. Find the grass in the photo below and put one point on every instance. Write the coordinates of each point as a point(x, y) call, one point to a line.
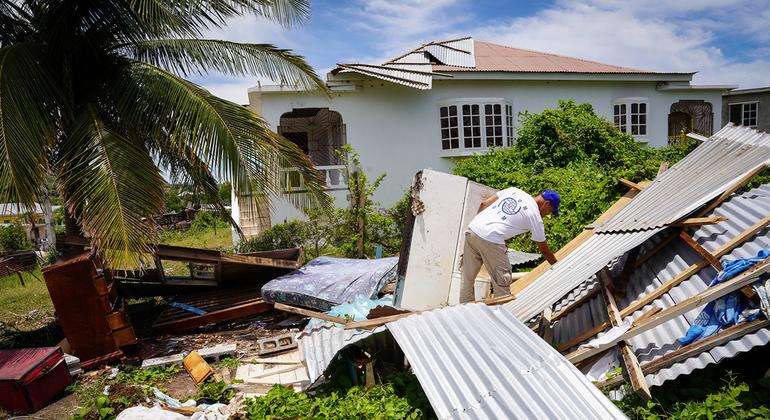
point(209, 238)
point(16, 301)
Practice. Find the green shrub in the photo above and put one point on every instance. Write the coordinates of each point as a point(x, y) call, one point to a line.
point(217, 391)
point(377, 402)
point(13, 238)
point(571, 150)
point(289, 234)
point(733, 400)
point(205, 220)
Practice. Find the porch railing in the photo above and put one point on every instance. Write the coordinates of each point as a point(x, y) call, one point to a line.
point(336, 177)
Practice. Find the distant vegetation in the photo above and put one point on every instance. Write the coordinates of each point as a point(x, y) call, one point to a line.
point(13, 238)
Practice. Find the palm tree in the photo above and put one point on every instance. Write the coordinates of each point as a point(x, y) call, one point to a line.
point(93, 91)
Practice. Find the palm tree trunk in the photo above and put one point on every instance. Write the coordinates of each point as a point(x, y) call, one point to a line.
point(50, 228)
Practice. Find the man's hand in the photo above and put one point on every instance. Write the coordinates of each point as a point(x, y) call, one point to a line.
point(543, 247)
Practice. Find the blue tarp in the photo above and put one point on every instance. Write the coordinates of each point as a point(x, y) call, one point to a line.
point(326, 281)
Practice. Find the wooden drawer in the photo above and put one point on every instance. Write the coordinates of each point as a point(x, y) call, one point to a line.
point(124, 336)
point(118, 320)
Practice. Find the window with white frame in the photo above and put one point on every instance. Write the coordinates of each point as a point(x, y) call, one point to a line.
point(744, 113)
point(475, 124)
point(630, 115)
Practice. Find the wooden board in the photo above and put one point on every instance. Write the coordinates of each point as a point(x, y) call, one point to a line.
point(220, 305)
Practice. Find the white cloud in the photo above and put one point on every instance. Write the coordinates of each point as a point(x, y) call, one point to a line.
point(234, 89)
point(394, 27)
point(248, 29)
point(652, 37)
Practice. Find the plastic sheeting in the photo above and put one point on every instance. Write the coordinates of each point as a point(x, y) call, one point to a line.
point(326, 281)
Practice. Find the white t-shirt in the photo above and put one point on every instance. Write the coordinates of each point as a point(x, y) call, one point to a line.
point(513, 213)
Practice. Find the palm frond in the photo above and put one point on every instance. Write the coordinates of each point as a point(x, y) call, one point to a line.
point(112, 186)
point(233, 141)
point(201, 56)
point(14, 23)
point(26, 124)
point(189, 170)
point(194, 16)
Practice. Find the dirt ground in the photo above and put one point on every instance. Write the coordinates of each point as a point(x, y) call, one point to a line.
point(243, 332)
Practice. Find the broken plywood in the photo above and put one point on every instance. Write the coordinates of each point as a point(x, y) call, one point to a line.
point(430, 277)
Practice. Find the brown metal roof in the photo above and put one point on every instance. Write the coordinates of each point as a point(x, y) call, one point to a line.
point(495, 57)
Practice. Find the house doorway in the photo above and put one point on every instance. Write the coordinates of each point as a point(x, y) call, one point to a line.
point(320, 133)
point(689, 116)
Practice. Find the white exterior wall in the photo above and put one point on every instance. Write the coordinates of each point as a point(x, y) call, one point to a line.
point(395, 129)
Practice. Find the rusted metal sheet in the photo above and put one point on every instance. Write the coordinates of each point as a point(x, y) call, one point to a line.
point(220, 305)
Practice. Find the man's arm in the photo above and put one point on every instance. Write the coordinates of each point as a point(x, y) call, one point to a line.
point(487, 202)
point(543, 247)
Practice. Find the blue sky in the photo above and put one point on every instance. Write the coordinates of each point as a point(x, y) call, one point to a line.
point(727, 41)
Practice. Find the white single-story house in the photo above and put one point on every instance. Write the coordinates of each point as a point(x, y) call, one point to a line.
point(449, 99)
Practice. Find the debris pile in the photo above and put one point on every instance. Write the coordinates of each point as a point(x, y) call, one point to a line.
point(624, 293)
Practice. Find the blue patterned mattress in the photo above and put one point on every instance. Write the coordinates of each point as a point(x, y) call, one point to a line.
point(327, 281)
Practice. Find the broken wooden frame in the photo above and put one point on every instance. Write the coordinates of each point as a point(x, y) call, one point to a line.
point(218, 305)
point(684, 275)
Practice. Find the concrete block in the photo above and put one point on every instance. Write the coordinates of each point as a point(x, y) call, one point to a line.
point(275, 344)
point(174, 359)
point(217, 351)
point(209, 353)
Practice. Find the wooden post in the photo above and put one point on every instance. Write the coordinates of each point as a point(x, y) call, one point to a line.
point(544, 329)
point(635, 375)
point(714, 261)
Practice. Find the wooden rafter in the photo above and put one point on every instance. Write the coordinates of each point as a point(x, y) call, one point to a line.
point(693, 349)
point(693, 269)
point(665, 315)
point(635, 375)
point(631, 184)
point(312, 314)
point(692, 243)
point(700, 221)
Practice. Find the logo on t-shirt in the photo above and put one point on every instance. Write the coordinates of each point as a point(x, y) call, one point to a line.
point(509, 206)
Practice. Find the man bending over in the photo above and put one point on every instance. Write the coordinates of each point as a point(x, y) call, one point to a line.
point(502, 216)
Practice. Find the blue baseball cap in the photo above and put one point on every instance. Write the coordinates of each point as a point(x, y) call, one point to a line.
point(553, 198)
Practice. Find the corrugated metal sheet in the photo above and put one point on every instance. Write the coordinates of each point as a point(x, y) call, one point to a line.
point(418, 76)
point(455, 53)
point(703, 174)
point(742, 210)
point(582, 263)
point(320, 344)
point(517, 257)
point(475, 361)
point(502, 58)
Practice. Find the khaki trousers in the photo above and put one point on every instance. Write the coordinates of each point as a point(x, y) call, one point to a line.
point(494, 256)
